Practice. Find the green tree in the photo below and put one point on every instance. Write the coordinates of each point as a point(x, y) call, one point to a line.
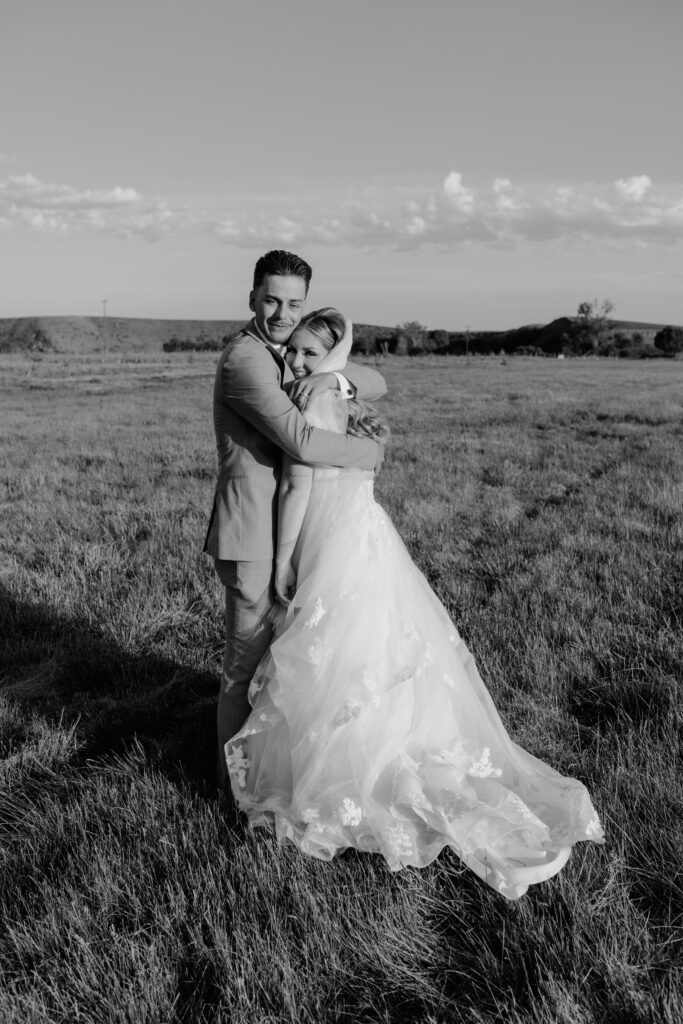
point(439, 340)
point(416, 333)
point(592, 326)
point(669, 340)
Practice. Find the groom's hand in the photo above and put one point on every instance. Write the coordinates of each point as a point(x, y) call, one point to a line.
point(305, 388)
point(285, 583)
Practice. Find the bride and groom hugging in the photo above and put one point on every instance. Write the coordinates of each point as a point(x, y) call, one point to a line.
point(351, 714)
point(256, 421)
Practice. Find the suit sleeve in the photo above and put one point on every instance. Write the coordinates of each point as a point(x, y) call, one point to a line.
point(250, 384)
point(369, 384)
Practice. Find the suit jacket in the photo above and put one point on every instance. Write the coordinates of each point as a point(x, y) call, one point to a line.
point(255, 422)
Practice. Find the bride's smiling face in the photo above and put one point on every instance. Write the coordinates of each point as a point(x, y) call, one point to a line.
point(304, 352)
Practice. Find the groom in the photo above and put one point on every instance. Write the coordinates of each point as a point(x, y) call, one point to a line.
point(256, 421)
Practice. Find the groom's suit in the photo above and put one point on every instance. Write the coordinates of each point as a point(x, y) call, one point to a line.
point(255, 422)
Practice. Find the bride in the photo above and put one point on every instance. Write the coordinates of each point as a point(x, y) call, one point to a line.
point(370, 725)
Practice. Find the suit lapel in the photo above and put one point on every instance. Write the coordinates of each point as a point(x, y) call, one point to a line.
point(281, 364)
point(285, 372)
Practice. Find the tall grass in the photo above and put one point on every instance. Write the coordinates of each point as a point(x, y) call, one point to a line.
point(542, 500)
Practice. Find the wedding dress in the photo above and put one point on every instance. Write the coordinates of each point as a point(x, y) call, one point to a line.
point(370, 725)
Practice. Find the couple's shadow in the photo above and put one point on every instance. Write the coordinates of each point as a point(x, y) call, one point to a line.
point(69, 670)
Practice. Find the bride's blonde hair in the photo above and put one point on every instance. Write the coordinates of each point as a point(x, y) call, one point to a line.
point(328, 325)
point(364, 421)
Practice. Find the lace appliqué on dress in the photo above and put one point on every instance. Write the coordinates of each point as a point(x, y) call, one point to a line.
point(351, 709)
point(238, 764)
point(317, 615)
point(349, 812)
point(594, 829)
point(372, 686)
point(398, 842)
point(455, 805)
point(317, 651)
point(455, 757)
point(483, 768)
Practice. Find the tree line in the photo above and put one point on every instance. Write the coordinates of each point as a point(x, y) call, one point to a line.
point(589, 332)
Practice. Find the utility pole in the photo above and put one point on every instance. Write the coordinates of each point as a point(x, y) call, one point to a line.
point(104, 323)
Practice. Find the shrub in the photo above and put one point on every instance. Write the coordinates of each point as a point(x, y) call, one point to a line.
point(670, 341)
point(200, 345)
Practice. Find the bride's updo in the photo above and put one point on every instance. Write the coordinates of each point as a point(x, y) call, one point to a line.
point(328, 325)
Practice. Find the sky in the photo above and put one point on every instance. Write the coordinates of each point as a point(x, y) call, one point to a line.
point(479, 163)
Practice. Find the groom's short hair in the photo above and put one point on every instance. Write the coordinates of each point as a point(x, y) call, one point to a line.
point(280, 262)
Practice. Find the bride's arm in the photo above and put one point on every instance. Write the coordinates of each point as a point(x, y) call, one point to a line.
point(329, 412)
point(295, 490)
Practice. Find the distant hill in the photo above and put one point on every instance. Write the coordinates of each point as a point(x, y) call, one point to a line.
point(630, 338)
point(84, 335)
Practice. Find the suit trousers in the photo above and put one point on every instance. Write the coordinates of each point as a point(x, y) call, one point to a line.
point(249, 597)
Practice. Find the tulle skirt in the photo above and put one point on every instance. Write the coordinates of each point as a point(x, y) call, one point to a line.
point(371, 727)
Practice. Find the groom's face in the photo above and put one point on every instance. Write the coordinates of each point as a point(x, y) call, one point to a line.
point(278, 305)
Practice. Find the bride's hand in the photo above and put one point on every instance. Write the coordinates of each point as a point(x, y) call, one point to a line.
point(306, 388)
point(285, 583)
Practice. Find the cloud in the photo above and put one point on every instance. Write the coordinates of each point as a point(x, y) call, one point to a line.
point(28, 191)
point(500, 212)
point(459, 197)
point(416, 225)
point(506, 202)
point(44, 206)
point(633, 188)
point(448, 215)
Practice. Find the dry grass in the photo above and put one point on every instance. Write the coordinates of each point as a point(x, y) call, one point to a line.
point(542, 500)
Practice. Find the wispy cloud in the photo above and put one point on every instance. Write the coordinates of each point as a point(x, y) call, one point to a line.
point(43, 206)
point(497, 213)
point(633, 188)
point(500, 212)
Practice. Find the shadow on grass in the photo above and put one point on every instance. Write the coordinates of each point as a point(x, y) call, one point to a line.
point(69, 670)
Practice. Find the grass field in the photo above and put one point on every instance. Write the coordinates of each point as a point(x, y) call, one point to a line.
point(542, 499)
